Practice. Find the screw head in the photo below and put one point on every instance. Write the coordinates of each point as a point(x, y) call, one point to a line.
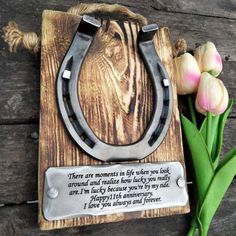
point(181, 182)
point(52, 193)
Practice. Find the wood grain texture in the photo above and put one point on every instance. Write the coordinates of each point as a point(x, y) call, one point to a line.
point(20, 72)
point(19, 100)
point(18, 163)
point(226, 9)
point(116, 99)
point(22, 220)
point(18, 160)
point(113, 85)
point(24, 68)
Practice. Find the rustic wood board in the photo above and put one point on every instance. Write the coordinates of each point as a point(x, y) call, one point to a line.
point(22, 220)
point(18, 162)
point(116, 98)
point(19, 104)
point(20, 71)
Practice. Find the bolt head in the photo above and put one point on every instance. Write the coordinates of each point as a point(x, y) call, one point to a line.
point(52, 193)
point(181, 182)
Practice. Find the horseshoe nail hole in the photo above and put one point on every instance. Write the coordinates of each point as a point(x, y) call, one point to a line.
point(164, 114)
point(89, 142)
point(73, 117)
point(156, 134)
point(166, 102)
point(82, 136)
point(76, 126)
point(68, 108)
point(65, 89)
point(159, 129)
point(166, 94)
point(79, 130)
point(161, 72)
point(151, 141)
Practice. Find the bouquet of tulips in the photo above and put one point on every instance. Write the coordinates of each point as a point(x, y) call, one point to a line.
point(196, 76)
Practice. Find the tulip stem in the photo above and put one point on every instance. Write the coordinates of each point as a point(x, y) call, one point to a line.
point(192, 231)
point(208, 129)
point(191, 109)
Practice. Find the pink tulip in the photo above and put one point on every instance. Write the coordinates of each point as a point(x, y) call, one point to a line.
point(187, 74)
point(212, 95)
point(208, 58)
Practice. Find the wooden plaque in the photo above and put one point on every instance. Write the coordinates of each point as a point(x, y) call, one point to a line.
point(116, 97)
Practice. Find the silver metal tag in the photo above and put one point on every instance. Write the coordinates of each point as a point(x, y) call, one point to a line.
point(99, 190)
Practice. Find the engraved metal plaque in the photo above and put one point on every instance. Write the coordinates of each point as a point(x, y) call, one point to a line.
point(100, 190)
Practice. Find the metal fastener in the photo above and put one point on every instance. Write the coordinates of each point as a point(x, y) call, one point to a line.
point(52, 193)
point(181, 182)
point(66, 74)
point(166, 82)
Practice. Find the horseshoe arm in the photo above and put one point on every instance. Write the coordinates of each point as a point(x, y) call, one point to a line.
point(71, 112)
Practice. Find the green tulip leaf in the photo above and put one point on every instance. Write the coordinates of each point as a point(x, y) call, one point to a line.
point(218, 146)
point(217, 128)
point(192, 231)
point(225, 173)
point(202, 163)
point(214, 133)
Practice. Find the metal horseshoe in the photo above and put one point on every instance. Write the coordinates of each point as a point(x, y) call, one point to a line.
point(71, 112)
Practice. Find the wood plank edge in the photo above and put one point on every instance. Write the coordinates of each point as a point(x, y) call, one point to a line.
point(51, 225)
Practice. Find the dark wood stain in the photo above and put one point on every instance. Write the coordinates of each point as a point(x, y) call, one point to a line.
point(20, 112)
point(112, 81)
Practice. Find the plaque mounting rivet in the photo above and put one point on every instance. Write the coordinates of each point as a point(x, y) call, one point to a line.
point(181, 182)
point(52, 193)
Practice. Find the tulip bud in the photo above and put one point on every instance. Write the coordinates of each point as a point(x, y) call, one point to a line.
point(212, 95)
point(208, 58)
point(187, 74)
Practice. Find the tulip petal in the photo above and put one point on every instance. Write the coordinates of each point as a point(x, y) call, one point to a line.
point(208, 59)
point(212, 96)
point(187, 74)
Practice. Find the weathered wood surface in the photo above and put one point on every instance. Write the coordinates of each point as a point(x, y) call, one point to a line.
point(24, 67)
point(21, 100)
point(18, 163)
point(226, 8)
point(19, 184)
point(19, 89)
point(116, 98)
point(22, 220)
